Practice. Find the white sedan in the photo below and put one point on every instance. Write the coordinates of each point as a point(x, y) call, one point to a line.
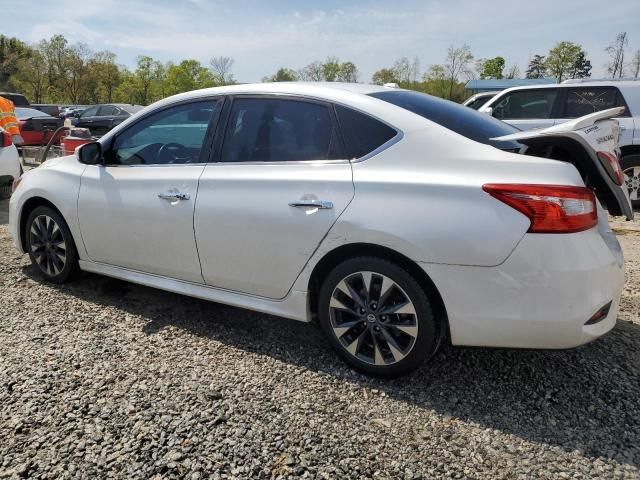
point(10, 167)
point(394, 218)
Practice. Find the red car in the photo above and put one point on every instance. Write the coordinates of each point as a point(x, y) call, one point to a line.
point(36, 127)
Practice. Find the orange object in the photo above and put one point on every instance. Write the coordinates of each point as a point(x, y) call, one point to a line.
point(69, 144)
point(8, 120)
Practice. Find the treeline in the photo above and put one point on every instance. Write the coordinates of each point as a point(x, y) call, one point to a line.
point(54, 71)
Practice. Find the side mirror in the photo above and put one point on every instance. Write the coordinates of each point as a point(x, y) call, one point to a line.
point(488, 111)
point(90, 153)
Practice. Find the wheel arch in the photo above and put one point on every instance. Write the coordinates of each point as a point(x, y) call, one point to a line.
point(334, 257)
point(28, 207)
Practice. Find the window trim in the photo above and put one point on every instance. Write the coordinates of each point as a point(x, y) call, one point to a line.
point(552, 112)
point(207, 144)
point(216, 157)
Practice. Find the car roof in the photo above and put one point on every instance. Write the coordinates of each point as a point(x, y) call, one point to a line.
point(600, 83)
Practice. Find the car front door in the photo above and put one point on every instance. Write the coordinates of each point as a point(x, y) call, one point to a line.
point(279, 184)
point(527, 109)
point(136, 211)
point(103, 121)
point(86, 119)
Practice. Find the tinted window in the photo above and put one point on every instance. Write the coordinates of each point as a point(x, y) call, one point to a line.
point(172, 136)
point(362, 133)
point(583, 101)
point(90, 112)
point(478, 102)
point(463, 120)
point(108, 111)
point(277, 130)
point(525, 104)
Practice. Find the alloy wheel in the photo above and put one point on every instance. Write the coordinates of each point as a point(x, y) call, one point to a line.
point(48, 245)
point(632, 182)
point(373, 318)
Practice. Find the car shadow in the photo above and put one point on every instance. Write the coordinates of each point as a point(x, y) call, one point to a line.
point(575, 399)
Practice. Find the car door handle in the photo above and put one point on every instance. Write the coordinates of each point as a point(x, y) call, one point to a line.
point(311, 203)
point(174, 196)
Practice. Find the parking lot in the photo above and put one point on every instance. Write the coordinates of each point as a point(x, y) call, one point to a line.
point(105, 378)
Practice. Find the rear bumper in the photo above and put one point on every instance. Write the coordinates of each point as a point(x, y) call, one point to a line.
point(540, 297)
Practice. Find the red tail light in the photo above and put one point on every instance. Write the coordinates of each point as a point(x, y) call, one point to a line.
point(612, 160)
point(550, 208)
point(6, 139)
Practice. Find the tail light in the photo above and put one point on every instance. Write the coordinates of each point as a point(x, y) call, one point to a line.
point(7, 140)
point(611, 159)
point(550, 208)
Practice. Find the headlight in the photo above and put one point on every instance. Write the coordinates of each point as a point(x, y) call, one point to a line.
point(15, 184)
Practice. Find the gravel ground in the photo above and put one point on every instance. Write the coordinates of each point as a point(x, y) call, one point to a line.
point(102, 378)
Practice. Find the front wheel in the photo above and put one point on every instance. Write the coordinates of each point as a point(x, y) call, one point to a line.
point(377, 317)
point(50, 245)
point(631, 168)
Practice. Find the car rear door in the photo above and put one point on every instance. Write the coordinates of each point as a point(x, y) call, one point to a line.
point(86, 119)
point(277, 186)
point(104, 120)
point(527, 109)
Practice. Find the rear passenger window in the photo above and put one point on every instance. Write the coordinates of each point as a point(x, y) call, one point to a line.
point(583, 101)
point(362, 133)
point(279, 130)
point(525, 104)
point(107, 111)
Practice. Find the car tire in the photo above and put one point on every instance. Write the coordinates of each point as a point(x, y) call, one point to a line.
point(631, 167)
point(377, 317)
point(50, 245)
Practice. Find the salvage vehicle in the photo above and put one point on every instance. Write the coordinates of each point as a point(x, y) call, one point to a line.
point(10, 167)
point(36, 126)
point(546, 105)
point(479, 99)
point(99, 119)
point(395, 219)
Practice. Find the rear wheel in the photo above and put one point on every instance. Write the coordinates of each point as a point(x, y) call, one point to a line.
point(50, 245)
point(377, 317)
point(631, 168)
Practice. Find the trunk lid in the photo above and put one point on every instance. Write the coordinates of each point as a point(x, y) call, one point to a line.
point(579, 142)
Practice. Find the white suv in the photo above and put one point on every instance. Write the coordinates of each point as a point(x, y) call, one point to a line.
point(10, 167)
point(542, 106)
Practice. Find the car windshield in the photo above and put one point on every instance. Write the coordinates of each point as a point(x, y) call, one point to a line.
point(463, 120)
point(24, 113)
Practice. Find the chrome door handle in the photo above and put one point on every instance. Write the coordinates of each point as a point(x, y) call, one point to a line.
point(174, 196)
point(311, 203)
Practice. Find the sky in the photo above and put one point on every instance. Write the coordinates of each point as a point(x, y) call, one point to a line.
point(262, 36)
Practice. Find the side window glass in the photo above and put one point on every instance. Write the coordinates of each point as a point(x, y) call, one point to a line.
point(90, 112)
point(583, 101)
point(525, 104)
point(362, 133)
point(107, 111)
point(279, 130)
point(172, 136)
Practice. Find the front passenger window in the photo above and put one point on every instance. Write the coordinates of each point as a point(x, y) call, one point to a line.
point(172, 136)
point(525, 104)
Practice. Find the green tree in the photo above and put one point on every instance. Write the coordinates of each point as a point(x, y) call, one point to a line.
point(581, 67)
point(537, 67)
point(12, 51)
point(385, 75)
point(492, 68)
point(561, 59)
point(348, 72)
point(282, 75)
point(331, 69)
point(187, 75)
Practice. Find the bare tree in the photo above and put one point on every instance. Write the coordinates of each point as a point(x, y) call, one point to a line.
point(313, 72)
point(635, 64)
point(457, 64)
point(221, 69)
point(616, 51)
point(513, 71)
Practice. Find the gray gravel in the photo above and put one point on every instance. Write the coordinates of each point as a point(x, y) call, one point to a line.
point(102, 378)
